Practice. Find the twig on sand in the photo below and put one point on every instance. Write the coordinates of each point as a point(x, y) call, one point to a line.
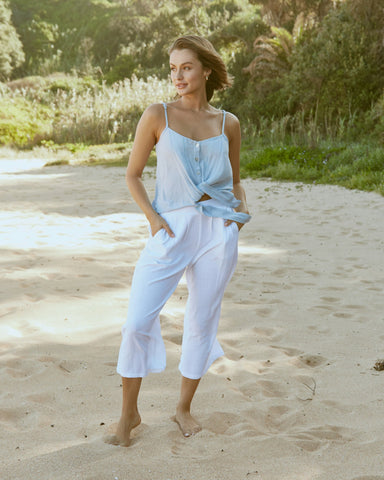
point(312, 389)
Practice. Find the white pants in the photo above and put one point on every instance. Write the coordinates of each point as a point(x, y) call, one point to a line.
point(207, 251)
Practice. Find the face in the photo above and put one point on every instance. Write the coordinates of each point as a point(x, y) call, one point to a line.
point(187, 72)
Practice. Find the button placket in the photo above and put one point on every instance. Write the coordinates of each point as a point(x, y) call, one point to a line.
point(197, 151)
point(197, 158)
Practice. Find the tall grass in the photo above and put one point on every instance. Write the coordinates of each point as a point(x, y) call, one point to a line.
point(80, 111)
point(105, 114)
point(302, 129)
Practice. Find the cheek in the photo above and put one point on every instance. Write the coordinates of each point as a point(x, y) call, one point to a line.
point(195, 76)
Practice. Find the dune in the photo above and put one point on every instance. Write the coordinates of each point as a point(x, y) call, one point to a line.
point(296, 396)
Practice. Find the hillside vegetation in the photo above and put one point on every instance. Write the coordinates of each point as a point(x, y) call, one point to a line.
point(308, 77)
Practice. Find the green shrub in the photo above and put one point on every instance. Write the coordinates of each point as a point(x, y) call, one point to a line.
point(23, 123)
point(350, 165)
point(299, 157)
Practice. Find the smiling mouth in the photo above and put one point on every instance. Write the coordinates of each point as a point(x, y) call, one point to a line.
point(181, 85)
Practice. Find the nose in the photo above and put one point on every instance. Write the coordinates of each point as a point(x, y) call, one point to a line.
point(179, 74)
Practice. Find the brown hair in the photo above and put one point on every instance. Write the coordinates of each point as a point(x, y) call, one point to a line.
point(207, 55)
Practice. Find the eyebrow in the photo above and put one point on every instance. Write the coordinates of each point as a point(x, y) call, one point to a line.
point(185, 63)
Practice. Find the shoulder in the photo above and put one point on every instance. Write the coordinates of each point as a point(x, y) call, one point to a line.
point(232, 125)
point(231, 120)
point(154, 112)
point(152, 120)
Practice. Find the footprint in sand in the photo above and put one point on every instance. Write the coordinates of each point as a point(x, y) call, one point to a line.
point(43, 398)
point(342, 315)
point(250, 390)
point(182, 447)
point(313, 273)
point(110, 364)
point(225, 423)
point(309, 360)
point(263, 312)
point(355, 307)
point(322, 331)
point(20, 368)
point(288, 351)
point(10, 415)
point(32, 297)
point(111, 285)
point(330, 299)
point(327, 308)
point(267, 333)
point(270, 389)
point(317, 437)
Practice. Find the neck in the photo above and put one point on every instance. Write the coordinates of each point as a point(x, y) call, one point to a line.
point(195, 102)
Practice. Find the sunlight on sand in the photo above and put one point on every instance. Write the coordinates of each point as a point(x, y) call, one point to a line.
point(12, 332)
point(257, 250)
point(24, 231)
point(21, 164)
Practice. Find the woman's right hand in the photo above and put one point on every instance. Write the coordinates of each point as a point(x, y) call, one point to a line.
point(157, 223)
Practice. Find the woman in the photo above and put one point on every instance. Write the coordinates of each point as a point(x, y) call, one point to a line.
point(194, 221)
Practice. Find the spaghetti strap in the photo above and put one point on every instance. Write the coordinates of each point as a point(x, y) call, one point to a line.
point(222, 131)
point(166, 115)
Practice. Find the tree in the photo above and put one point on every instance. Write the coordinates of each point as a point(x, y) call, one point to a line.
point(11, 49)
point(283, 13)
point(338, 65)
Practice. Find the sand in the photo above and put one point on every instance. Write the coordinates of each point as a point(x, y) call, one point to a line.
point(295, 398)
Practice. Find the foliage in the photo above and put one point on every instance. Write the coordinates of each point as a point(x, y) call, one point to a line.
point(113, 39)
point(274, 53)
point(56, 39)
point(23, 123)
point(11, 49)
point(284, 13)
point(327, 69)
point(67, 109)
point(352, 166)
point(374, 120)
point(339, 63)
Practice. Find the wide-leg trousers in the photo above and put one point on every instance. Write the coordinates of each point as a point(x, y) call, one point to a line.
point(206, 251)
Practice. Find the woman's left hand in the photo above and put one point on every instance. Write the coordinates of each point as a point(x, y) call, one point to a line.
point(239, 225)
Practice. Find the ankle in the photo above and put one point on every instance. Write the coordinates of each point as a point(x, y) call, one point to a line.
point(130, 416)
point(183, 408)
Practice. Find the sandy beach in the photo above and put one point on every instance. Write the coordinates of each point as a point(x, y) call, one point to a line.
point(296, 396)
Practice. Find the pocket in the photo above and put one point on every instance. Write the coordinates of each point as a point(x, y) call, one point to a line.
point(235, 227)
point(158, 233)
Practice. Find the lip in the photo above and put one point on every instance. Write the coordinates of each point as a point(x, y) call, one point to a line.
point(181, 85)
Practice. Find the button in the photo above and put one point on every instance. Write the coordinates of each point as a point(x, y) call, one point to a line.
point(197, 145)
point(197, 159)
point(198, 172)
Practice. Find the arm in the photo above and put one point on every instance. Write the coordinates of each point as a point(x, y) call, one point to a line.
point(147, 133)
point(233, 133)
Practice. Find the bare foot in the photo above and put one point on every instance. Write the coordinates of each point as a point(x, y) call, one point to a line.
point(122, 433)
point(188, 425)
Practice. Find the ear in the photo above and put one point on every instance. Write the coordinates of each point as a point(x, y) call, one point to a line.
point(207, 72)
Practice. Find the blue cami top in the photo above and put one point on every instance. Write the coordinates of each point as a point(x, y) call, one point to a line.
point(187, 169)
